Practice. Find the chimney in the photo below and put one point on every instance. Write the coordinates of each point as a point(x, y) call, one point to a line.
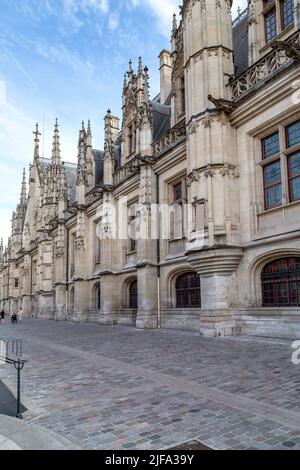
point(165, 75)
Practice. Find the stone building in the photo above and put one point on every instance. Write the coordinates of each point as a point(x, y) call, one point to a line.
point(220, 147)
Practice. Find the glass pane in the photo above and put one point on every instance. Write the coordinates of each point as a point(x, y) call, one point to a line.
point(272, 174)
point(293, 134)
point(270, 145)
point(294, 165)
point(177, 192)
point(287, 13)
point(295, 189)
point(273, 196)
point(270, 25)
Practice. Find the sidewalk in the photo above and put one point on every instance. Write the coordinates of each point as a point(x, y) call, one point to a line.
point(16, 434)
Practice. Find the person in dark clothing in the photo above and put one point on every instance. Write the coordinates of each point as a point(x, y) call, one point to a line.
point(2, 316)
point(14, 318)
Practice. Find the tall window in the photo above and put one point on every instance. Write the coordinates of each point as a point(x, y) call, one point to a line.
point(281, 151)
point(281, 283)
point(188, 291)
point(133, 295)
point(97, 247)
point(132, 221)
point(270, 25)
point(273, 186)
point(97, 297)
point(131, 139)
point(287, 13)
point(182, 94)
point(72, 298)
point(278, 15)
point(177, 215)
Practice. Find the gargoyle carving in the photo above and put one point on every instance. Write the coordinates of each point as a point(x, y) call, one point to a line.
point(291, 51)
point(222, 105)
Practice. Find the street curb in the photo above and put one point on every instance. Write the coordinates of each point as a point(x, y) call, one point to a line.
point(29, 436)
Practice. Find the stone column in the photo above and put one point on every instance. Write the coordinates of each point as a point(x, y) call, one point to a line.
point(217, 270)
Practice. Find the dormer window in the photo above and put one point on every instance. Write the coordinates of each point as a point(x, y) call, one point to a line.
point(182, 94)
point(130, 139)
point(278, 16)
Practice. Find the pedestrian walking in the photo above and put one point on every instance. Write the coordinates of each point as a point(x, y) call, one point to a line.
point(14, 318)
point(20, 314)
point(2, 316)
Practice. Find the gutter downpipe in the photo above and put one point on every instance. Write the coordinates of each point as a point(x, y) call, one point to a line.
point(67, 276)
point(158, 253)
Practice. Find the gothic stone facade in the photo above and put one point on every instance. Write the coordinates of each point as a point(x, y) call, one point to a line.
point(223, 136)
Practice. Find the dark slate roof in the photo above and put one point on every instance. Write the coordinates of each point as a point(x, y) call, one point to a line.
point(161, 119)
point(98, 157)
point(70, 176)
point(240, 44)
point(71, 170)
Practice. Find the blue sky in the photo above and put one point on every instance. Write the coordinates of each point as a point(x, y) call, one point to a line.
point(66, 59)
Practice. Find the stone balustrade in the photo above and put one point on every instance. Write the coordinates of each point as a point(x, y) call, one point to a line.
point(173, 136)
point(263, 69)
point(126, 171)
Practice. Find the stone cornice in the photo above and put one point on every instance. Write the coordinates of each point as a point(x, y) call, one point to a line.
point(223, 169)
point(221, 261)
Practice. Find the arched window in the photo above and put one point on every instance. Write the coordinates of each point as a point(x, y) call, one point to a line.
point(72, 299)
point(188, 291)
point(133, 295)
point(281, 283)
point(97, 297)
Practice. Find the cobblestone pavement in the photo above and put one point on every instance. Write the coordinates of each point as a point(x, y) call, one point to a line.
point(122, 388)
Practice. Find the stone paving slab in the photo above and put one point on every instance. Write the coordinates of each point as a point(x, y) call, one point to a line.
point(121, 388)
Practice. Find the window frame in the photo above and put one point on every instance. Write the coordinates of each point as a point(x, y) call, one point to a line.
point(279, 282)
point(284, 152)
point(284, 27)
point(186, 294)
point(292, 178)
point(267, 8)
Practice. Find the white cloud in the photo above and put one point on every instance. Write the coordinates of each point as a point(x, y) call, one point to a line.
point(114, 21)
point(86, 5)
point(2, 93)
point(164, 10)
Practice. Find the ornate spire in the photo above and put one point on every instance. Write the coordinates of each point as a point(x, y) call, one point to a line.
point(89, 156)
point(108, 142)
point(130, 72)
point(146, 84)
point(125, 83)
point(89, 132)
point(88, 135)
point(81, 163)
point(56, 147)
point(62, 187)
point(174, 28)
point(37, 147)
point(23, 197)
point(1, 250)
point(140, 66)
point(108, 150)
